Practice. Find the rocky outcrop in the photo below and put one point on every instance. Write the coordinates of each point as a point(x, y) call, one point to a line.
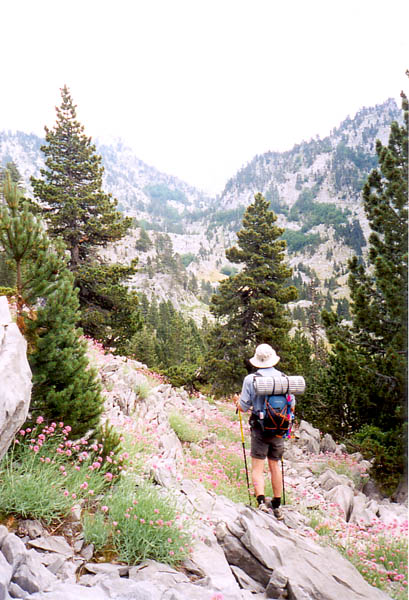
point(239, 553)
point(242, 554)
point(15, 378)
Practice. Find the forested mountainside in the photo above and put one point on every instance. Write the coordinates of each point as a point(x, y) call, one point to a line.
point(181, 234)
point(138, 187)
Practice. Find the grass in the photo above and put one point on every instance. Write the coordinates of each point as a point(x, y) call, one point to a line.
point(137, 524)
point(342, 465)
point(95, 530)
point(146, 524)
point(123, 518)
point(185, 428)
point(44, 455)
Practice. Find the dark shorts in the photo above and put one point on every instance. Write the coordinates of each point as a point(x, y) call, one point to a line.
point(261, 447)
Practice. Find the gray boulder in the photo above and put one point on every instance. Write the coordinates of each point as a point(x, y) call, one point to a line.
point(298, 568)
point(330, 479)
point(6, 572)
point(363, 512)
point(13, 550)
point(401, 492)
point(328, 444)
point(309, 437)
point(342, 495)
point(31, 576)
point(15, 377)
point(209, 560)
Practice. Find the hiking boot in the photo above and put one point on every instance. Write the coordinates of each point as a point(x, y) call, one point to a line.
point(278, 513)
point(263, 507)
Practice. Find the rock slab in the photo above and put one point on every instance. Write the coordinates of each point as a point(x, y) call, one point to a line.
point(15, 378)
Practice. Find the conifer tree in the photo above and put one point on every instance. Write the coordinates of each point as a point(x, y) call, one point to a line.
point(64, 387)
point(144, 242)
point(77, 209)
point(380, 294)
point(70, 189)
point(368, 373)
point(250, 307)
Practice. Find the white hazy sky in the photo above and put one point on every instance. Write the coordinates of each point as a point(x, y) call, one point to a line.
point(198, 87)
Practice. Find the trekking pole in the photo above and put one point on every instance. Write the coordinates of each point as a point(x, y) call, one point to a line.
point(282, 473)
point(244, 454)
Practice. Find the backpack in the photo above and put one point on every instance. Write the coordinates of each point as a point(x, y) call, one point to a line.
point(276, 417)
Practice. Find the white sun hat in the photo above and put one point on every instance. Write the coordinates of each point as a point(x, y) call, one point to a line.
point(264, 356)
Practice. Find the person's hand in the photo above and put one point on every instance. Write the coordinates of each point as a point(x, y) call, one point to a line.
point(236, 400)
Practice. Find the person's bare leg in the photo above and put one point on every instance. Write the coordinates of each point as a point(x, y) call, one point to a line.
point(276, 477)
point(257, 475)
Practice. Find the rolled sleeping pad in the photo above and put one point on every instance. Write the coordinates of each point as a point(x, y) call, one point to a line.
point(268, 386)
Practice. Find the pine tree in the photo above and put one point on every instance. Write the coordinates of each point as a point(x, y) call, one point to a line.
point(250, 307)
point(78, 210)
point(75, 206)
point(314, 320)
point(369, 362)
point(379, 294)
point(110, 311)
point(64, 387)
point(144, 242)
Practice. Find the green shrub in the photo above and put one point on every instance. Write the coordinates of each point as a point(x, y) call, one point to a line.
point(110, 441)
point(386, 449)
point(142, 389)
point(297, 240)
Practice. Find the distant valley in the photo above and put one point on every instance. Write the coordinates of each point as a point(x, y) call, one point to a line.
point(180, 234)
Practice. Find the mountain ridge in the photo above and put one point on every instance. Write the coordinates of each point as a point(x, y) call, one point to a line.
point(314, 189)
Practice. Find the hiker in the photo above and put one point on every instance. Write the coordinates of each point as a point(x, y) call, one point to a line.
point(262, 445)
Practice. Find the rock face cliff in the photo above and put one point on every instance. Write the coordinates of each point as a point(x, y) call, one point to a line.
point(239, 553)
point(15, 378)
